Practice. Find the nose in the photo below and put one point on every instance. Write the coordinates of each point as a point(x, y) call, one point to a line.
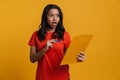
point(55, 18)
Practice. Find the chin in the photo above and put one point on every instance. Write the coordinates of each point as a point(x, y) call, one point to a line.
point(53, 26)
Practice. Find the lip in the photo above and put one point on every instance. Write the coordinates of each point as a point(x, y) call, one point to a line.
point(54, 23)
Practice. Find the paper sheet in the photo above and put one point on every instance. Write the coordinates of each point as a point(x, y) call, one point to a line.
point(78, 44)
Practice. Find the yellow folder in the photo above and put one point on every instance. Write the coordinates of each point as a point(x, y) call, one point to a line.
point(78, 44)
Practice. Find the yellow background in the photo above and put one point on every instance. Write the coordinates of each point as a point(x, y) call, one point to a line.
point(19, 18)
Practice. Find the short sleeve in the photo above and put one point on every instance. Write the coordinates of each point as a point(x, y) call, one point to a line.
point(67, 40)
point(32, 41)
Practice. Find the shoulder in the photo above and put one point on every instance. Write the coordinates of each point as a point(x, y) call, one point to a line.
point(32, 41)
point(67, 39)
point(66, 34)
point(35, 33)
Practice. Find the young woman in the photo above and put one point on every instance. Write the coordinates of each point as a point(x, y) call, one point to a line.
point(48, 46)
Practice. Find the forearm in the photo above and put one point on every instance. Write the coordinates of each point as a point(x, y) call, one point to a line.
point(36, 56)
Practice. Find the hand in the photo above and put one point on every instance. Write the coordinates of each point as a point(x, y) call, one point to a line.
point(49, 44)
point(81, 57)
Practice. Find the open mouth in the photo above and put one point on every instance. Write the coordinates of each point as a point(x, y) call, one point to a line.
point(54, 23)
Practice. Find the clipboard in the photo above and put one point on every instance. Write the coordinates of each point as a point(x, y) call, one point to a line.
point(78, 44)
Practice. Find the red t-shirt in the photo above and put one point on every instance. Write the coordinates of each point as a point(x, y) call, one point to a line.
point(49, 67)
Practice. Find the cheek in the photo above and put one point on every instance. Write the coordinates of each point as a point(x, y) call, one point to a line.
point(48, 21)
point(58, 19)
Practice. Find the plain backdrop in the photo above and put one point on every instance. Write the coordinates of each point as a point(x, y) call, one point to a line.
point(101, 18)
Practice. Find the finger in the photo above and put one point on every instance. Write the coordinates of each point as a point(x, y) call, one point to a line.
point(81, 59)
point(81, 56)
point(50, 45)
point(52, 40)
point(82, 53)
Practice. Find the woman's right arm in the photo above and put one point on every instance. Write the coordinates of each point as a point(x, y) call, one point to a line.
point(34, 55)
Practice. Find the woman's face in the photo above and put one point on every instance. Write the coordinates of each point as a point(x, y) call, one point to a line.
point(53, 18)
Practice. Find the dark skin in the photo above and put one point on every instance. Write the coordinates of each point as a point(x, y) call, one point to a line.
point(53, 20)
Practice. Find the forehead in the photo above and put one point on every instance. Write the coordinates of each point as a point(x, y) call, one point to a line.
point(53, 11)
